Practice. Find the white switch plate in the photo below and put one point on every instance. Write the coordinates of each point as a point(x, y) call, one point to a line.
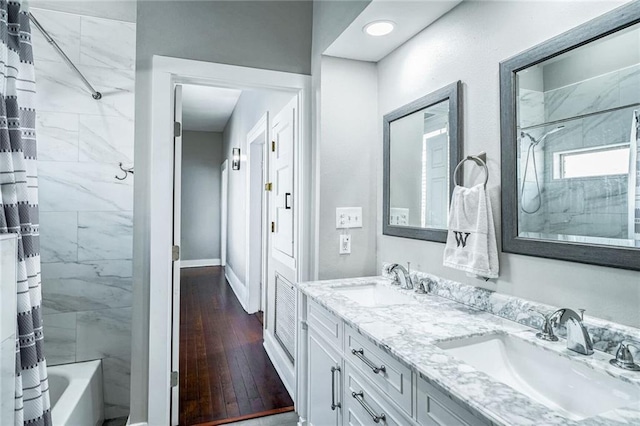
point(348, 217)
point(345, 244)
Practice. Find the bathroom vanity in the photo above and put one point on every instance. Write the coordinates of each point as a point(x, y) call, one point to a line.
point(372, 353)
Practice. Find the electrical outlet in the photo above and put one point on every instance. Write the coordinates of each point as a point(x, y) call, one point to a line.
point(345, 244)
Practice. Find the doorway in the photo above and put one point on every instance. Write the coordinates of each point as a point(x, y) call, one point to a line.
point(223, 371)
point(224, 180)
point(167, 72)
point(257, 238)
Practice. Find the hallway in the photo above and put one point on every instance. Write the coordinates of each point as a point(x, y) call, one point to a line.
point(225, 372)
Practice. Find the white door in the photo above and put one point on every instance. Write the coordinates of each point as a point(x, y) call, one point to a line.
point(175, 308)
point(283, 134)
point(437, 181)
point(325, 382)
point(224, 181)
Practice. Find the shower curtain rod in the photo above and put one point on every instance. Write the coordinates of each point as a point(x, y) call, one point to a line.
point(578, 117)
point(94, 93)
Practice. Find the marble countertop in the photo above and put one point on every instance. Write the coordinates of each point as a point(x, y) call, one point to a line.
point(410, 332)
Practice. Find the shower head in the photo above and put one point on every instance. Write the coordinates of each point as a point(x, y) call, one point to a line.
point(535, 141)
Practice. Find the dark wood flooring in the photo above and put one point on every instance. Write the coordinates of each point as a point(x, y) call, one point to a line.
point(225, 372)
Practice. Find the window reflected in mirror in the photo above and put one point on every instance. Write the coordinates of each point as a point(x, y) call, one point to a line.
point(578, 150)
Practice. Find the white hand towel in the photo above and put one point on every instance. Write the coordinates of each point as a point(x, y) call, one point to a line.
point(471, 239)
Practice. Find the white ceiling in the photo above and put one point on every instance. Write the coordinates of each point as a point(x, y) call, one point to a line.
point(207, 109)
point(410, 17)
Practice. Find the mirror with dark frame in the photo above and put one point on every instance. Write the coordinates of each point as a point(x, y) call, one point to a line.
point(422, 146)
point(570, 111)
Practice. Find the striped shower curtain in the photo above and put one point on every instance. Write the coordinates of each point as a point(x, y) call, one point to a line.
point(19, 212)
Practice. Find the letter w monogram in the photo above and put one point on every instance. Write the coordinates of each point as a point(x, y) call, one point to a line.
point(460, 239)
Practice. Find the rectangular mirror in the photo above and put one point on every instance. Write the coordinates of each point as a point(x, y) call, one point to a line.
point(569, 117)
point(422, 146)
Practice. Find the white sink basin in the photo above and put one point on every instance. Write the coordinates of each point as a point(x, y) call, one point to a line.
point(573, 389)
point(372, 295)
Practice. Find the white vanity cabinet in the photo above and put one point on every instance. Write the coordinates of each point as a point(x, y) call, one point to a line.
point(325, 367)
point(352, 381)
point(325, 382)
point(434, 408)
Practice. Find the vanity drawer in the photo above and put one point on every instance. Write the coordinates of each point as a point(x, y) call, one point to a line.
point(354, 411)
point(395, 379)
point(325, 323)
point(437, 409)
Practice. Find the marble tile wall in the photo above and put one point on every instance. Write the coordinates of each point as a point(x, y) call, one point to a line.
point(85, 213)
point(591, 207)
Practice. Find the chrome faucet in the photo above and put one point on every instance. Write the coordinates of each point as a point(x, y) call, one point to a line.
point(624, 359)
point(402, 276)
point(424, 286)
point(578, 339)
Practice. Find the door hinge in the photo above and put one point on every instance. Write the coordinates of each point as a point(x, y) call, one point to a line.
point(305, 325)
point(175, 253)
point(273, 227)
point(177, 129)
point(174, 379)
point(268, 186)
point(273, 146)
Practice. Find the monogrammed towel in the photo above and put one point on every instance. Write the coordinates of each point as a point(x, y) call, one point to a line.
point(471, 239)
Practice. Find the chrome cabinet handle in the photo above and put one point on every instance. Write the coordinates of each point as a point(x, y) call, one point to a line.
point(359, 396)
point(360, 354)
point(334, 404)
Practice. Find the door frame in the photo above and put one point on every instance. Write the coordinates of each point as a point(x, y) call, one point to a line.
point(166, 72)
point(177, 228)
point(224, 210)
point(256, 295)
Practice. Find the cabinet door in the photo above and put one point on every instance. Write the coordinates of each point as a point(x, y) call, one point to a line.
point(437, 409)
point(325, 382)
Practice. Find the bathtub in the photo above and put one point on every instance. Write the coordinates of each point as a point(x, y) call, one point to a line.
point(75, 391)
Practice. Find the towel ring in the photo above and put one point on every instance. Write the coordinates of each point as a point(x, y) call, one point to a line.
point(480, 160)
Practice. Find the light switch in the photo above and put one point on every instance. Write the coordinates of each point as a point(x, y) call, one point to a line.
point(345, 244)
point(348, 217)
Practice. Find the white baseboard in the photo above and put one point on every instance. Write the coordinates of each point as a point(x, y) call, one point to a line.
point(281, 363)
point(199, 263)
point(237, 286)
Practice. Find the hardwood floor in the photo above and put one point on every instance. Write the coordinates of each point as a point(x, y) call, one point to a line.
point(225, 372)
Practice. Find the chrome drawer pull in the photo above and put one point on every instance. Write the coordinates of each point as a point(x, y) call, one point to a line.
point(360, 354)
point(360, 398)
point(334, 404)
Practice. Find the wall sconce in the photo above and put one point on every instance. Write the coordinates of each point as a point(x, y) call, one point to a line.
point(235, 159)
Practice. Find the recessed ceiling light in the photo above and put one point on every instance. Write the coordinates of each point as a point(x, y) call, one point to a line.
point(378, 28)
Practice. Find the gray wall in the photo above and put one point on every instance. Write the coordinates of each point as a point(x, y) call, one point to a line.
point(330, 19)
point(483, 34)
point(270, 35)
point(251, 106)
point(200, 211)
point(346, 164)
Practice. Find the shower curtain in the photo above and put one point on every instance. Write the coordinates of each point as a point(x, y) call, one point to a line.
point(634, 180)
point(19, 212)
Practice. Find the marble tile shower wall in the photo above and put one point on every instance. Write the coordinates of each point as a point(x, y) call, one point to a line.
point(596, 207)
point(86, 214)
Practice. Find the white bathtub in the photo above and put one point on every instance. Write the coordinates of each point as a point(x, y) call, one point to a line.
point(76, 394)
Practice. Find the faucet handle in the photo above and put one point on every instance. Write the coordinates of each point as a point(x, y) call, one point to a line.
point(424, 286)
point(624, 359)
point(546, 333)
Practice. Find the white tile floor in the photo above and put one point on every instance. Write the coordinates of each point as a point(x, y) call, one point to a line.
point(284, 419)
